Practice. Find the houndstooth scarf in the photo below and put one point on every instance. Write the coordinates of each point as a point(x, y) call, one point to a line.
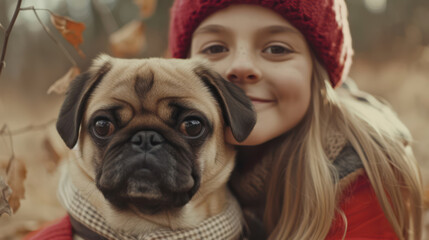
point(226, 225)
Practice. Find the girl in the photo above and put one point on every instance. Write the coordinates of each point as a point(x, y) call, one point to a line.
point(322, 162)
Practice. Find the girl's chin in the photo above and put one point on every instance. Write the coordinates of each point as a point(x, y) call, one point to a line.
point(261, 106)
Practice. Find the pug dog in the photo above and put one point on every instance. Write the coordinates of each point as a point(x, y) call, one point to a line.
point(149, 141)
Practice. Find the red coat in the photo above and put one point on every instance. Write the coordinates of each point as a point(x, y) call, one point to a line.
point(366, 220)
point(61, 230)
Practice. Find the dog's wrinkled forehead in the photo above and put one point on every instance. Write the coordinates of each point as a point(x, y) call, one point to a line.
point(149, 86)
point(137, 86)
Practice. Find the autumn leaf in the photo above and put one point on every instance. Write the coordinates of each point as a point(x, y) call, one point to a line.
point(129, 40)
point(71, 30)
point(147, 7)
point(15, 180)
point(5, 193)
point(61, 85)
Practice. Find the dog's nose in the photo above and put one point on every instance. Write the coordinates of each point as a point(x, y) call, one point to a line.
point(146, 140)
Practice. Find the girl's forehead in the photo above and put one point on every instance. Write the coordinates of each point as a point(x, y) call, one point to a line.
point(244, 16)
point(248, 22)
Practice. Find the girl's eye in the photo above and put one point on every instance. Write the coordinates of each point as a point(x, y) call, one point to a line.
point(191, 127)
point(277, 49)
point(214, 49)
point(103, 128)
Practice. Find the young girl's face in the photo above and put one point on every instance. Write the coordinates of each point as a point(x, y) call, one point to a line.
point(267, 57)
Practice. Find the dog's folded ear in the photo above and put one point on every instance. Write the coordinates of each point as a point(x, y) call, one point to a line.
point(80, 89)
point(237, 109)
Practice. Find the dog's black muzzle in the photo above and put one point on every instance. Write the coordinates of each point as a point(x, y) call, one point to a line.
point(147, 172)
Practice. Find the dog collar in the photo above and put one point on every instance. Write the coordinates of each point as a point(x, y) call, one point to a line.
point(88, 223)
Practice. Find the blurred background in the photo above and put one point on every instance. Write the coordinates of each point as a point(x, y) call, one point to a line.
point(390, 39)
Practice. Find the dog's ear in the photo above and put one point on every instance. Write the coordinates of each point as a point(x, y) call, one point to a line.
point(73, 106)
point(237, 109)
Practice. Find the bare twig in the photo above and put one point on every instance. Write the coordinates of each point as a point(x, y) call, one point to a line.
point(28, 128)
point(1, 27)
point(32, 8)
point(107, 19)
point(5, 130)
point(7, 34)
point(48, 31)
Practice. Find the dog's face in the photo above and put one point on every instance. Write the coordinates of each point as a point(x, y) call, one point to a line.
point(149, 130)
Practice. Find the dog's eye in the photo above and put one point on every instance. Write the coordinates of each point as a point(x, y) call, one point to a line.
point(103, 128)
point(191, 127)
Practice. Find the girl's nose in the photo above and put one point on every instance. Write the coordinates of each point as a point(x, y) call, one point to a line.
point(243, 70)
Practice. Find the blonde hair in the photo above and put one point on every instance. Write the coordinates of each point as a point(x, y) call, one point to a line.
point(302, 196)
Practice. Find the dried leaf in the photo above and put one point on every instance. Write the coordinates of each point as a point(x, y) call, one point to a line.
point(129, 40)
point(5, 193)
point(15, 179)
point(71, 30)
point(147, 7)
point(61, 85)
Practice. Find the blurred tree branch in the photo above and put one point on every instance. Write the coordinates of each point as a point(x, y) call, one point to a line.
point(4, 130)
point(48, 31)
point(33, 8)
point(29, 128)
point(7, 34)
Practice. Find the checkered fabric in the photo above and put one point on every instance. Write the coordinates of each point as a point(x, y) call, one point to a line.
point(226, 225)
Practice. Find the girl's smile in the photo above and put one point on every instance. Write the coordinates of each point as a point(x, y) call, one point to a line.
point(265, 56)
point(261, 103)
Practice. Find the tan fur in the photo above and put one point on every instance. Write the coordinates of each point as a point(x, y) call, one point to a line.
point(216, 161)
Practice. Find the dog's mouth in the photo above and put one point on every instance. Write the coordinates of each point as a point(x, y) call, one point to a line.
point(148, 182)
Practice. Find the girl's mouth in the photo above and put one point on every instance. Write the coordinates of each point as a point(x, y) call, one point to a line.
point(261, 104)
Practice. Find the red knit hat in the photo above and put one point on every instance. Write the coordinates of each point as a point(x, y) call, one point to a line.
point(323, 23)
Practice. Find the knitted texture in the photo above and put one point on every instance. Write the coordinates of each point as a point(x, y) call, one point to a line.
point(334, 143)
point(250, 186)
point(323, 23)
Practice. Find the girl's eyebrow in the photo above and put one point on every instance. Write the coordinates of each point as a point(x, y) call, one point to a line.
point(273, 29)
point(278, 29)
point(210, 29)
